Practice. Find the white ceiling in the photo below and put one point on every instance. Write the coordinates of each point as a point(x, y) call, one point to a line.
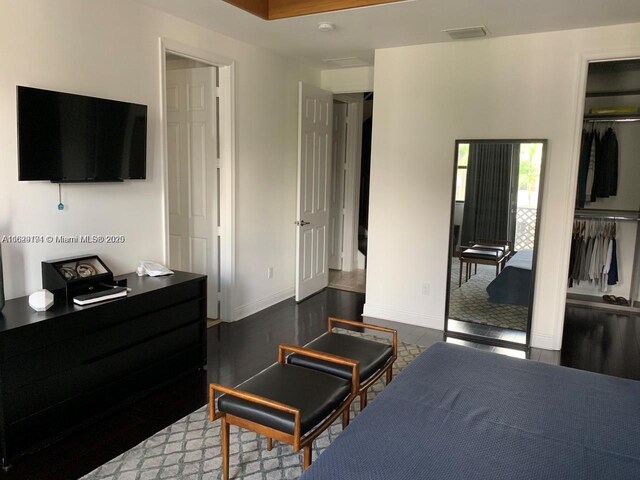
point(360, 31)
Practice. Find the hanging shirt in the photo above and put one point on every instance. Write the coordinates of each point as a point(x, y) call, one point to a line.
point(594, 264)
point(613, 152)
point(613, 269)
point(578, 259)
point(591, 168)
point(607, 266)
point(606, 171)
point(585, 153)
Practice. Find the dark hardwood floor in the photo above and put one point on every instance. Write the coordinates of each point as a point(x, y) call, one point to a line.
point(601, 341)
point(593, 340)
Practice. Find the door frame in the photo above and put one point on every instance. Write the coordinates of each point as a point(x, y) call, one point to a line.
point(568, 212)
point(227, 193)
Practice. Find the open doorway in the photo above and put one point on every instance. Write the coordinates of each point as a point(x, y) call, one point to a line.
point(351, 160)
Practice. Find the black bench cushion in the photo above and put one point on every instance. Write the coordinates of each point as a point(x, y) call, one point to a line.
point(483, 254)
point(316, 394)
point(485, 246)
point(371, 355)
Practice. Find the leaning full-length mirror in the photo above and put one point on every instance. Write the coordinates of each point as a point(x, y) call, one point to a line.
point(495, 213)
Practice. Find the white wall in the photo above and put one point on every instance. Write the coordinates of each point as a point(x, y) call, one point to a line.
point(428, 96)
point(348, 80)
point(111, 49)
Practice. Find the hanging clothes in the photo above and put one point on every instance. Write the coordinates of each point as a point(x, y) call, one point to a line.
point(612, 153)
point(574, 273)
point(593, 256)
point(598, 166)
point(607, 266)
point(590, 195)
point(583, 167)
point(572, 256)
point(613, 270)
point(606, 167)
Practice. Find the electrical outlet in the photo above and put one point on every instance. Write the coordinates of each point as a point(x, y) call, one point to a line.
point(270, 272)
point(426, 289)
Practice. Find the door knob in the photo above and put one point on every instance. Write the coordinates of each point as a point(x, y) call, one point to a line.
point(301, 223)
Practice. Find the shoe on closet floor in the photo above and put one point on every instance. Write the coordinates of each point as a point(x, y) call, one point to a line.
point(622, 301)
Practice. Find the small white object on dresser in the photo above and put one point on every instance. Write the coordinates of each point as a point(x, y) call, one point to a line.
point(41, 300)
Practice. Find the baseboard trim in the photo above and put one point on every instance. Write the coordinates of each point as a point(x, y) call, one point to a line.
point(262, 303)
point(545, 342)
point(403, 316)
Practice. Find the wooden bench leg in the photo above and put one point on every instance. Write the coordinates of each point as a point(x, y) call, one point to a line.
point(225, 449)
point(389, 374)
point(306, 454)
point(345, 418)
point(363, 400)
point(460, 277)
point(269, 443)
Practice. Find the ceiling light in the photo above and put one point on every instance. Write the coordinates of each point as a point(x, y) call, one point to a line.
point(326, 27)
point(467, 32)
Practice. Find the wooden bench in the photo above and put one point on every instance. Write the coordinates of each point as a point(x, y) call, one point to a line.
point(286, 402)
point(375, 358)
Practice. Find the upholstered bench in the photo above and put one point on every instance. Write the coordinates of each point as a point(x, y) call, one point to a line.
point(375, 358)
point(485, 254)
point(285, 402)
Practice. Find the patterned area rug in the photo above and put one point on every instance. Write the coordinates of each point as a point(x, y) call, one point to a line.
point(190, 448)
point(469, 302)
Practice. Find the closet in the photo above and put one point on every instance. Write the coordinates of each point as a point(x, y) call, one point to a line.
point(604, 270)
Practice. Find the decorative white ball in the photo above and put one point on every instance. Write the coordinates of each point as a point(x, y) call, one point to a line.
point(41, 300)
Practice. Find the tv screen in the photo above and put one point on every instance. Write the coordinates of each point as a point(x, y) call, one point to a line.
point(73, 138)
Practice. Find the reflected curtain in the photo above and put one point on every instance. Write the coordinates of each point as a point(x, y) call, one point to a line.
point(487, 196)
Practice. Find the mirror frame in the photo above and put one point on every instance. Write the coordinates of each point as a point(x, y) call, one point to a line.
point(536, 243)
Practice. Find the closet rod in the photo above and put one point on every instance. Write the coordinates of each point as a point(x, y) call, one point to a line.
point(617, 219)
point(611, 120)
point(622, 215)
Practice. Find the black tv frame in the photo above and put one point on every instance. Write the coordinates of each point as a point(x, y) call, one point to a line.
point(142, 165)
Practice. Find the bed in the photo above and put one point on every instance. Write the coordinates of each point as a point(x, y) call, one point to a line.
point(513, 284)
point(460, 413)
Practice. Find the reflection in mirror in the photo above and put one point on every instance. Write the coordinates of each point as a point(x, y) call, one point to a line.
point(495, 214)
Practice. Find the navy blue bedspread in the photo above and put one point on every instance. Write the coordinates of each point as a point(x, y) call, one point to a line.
point(460, 413)
point(513, 284)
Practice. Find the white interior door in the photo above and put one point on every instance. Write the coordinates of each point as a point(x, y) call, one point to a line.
point(315, 114)
point(338, 170)
point(192, 136)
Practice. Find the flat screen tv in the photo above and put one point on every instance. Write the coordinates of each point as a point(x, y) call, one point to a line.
point(73, 138)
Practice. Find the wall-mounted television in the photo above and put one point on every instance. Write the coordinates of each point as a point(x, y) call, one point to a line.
point(64, 137)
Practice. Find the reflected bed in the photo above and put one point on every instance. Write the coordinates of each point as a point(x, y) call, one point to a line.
point(513, 284)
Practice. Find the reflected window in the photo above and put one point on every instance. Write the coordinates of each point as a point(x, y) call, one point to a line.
point(461, 177)
point(527, 199)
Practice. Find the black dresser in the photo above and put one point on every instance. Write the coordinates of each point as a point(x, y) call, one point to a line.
point(65, 367)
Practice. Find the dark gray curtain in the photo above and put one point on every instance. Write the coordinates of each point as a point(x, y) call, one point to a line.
point(487, 196)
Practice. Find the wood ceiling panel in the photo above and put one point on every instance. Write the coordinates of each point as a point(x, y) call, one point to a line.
point(257, 7)
point(275, 9)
